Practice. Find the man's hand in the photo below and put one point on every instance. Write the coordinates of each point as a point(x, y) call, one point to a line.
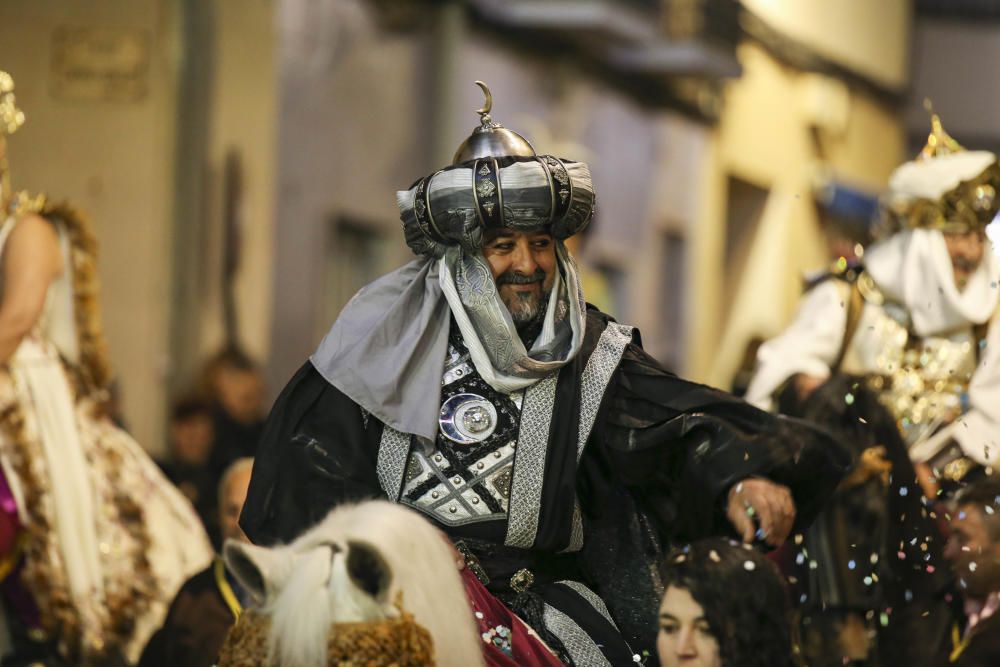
point(766, 501)
point(805, 385)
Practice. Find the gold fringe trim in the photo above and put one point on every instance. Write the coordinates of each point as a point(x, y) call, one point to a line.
point(43, 571)
point(395, 642)
point(127, 596)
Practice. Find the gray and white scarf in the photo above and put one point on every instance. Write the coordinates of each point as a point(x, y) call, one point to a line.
point(386, 350)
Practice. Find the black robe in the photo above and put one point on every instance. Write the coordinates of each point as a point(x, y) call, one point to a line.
point(195, 628)
point(981, 647)
point(658, 464)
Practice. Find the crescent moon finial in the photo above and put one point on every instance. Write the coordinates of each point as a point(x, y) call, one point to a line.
point(484, 111)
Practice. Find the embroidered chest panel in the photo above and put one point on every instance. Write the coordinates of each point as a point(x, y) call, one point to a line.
point(466, 477)
point(470, 474)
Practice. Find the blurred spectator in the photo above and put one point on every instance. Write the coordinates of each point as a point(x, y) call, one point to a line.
point(209, 603)
point(232, 381)
point(725, 606)
point(191, 442)
point(974, 552)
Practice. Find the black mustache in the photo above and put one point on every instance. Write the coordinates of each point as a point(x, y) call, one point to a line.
point(514, 278)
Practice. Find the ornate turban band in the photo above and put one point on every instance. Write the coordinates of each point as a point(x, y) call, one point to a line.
point(458, 204)
point(496, 181)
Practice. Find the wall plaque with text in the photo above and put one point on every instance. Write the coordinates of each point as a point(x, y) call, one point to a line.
point(100, 64)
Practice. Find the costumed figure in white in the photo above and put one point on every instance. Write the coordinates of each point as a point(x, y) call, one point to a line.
point(915, 319)
point(906, 339)
point(95, 541)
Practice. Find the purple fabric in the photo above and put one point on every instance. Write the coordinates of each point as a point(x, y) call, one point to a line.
point(17, 597)
point(8, 505)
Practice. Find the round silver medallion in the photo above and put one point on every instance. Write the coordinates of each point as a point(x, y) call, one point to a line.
point(476, 419)
point(467, 418)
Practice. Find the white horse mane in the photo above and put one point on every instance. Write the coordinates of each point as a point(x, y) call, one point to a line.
point(351, 567)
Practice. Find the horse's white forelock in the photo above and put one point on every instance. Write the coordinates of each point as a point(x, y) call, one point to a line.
point(301, 613)
point(422, 567)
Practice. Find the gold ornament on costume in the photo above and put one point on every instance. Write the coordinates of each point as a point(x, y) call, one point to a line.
point(919, 381)
point(11, 118)
point(93, 372)
point(939, 142)
point(130, 585)
point(392, 641)
point(970, 206)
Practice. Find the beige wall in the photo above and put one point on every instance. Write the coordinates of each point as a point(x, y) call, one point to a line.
point(774, 134)
point(244, 111)
point(116, 161)
point(870, 37)
point(113, 159)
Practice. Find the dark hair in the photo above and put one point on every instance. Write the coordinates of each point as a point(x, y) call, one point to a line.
point(984, 494)
point(846, 406)
point(231, 357)
point(744, 600)
point(189, 408)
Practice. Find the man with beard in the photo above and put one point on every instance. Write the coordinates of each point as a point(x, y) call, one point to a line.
point(911, 326)
point(475, 385)
point(914, 319)
point(974, 552)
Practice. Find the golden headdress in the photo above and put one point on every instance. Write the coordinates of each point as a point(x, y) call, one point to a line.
point(11, 118)
point(946, 187)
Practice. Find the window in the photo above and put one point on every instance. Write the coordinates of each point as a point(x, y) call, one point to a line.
point(671, 301)
point(743, 214)
point(355, 257)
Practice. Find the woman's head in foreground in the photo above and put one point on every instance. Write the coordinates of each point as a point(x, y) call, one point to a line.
point(725, 605)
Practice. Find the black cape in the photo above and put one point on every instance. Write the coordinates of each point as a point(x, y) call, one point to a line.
point(656, 470)
point(195, 628)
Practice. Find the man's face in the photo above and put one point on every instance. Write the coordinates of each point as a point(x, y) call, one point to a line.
point(966, 250)
point(524, 268)
point(974, 554)
point(231, 501)
point(191, 439)
point(241, 393)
